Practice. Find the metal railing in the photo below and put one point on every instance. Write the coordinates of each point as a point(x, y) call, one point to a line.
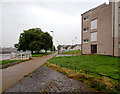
point(19, 55)
point(23, 55)
point(87, 71)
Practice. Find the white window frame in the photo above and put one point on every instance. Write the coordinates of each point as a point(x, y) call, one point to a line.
point(94, 24)
point(119, 9)
point(93, 36)
point(119, 45)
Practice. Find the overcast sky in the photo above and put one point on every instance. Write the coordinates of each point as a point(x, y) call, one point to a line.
point(64, 18)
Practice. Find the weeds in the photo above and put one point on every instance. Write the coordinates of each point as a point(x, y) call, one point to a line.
point(98, 83)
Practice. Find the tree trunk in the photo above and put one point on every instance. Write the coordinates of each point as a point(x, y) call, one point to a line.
point(45, 51)
point(32, 52)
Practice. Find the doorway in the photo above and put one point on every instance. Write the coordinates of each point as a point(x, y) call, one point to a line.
point(94, 49)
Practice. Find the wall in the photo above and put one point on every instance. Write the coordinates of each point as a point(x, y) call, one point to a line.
point(116, 28)
point(105, 31)
point(103, 13)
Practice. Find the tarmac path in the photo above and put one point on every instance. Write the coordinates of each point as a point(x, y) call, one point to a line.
point(13, 74)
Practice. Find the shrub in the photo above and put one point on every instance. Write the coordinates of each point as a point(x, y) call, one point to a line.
point(98, 86)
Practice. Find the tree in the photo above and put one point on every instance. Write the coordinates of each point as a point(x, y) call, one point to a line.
point(47, 40)
point(35, 46)
point(53, 48)
point(59, 46)
point(34, 40)
point(66, 47)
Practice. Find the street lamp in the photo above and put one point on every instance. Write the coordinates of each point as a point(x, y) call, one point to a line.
point(75, 39)
point(75, 44)
point(57, 43)
point(52, 39)
point(58, 47)
point(72, 42)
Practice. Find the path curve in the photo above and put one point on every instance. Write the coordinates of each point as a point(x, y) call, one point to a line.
point(12, 75)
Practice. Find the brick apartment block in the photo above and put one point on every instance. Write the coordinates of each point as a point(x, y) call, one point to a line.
point(101, 30)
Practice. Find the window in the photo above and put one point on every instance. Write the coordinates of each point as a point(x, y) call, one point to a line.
point(94, 24)
point(85, 41)
point(85, 29)
point(94, 36)
point(86, 18)
point(119, 45)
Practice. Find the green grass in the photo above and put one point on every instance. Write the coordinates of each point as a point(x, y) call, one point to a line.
point(96, 63)
point(41, 54)
point(11, 61)
point(8, 61)
point(72, 52)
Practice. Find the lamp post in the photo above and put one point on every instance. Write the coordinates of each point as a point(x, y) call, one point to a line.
point(58, 47)
point(75, 44)
point(72, 42)
point(57, 43)
point(52, 39)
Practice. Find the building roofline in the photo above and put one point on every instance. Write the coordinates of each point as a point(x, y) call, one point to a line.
point(94, 8)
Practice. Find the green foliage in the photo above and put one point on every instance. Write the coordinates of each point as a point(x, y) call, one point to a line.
point(41, 54)
point(71, 52)
point(34, 40)
point(98, 86)
point(59, 46)
point(66, 47)
point(8, 61)
point(35, 46)
point(95, 63)
point(53, 48)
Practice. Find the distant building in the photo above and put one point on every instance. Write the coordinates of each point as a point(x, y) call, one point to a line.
point(70, 47)
point(8, 50)
point(101, 30)
point(76, 47)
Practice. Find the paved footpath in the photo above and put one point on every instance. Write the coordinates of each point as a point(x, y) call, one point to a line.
point(45, 79)
point(12, 75)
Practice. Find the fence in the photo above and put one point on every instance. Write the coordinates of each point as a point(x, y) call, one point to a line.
point(87, 71)
point(19, 55)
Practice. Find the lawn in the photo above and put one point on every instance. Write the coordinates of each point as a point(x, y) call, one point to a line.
point(41, 54)
point(72, 52)
point(8, 61)
point(95, 63)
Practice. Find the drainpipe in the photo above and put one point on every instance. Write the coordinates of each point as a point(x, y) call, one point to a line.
point(113, 26)
point(82, 35)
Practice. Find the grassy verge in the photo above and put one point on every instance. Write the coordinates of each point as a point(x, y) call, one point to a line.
point(11, 61)
point(95, 63)
point(99, 64)
point(72, 52)
point(41, 54)
point(8, 61)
